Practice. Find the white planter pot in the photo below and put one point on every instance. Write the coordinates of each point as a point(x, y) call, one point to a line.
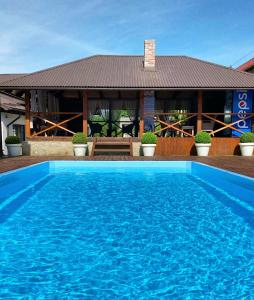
point(246, 149)
point(80, 149)
point(14, 149)
point(148, 149)
point(202, 149)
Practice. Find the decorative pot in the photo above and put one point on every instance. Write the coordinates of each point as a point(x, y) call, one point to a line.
point(80, 149)
point(14, 149)
point(148, 149)
point(202, 149)
point(246, 149)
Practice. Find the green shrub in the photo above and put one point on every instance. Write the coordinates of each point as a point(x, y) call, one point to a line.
point(247, 137)
point(202, 138)
point(79, 138)
point(12, 139)
point(149, 138)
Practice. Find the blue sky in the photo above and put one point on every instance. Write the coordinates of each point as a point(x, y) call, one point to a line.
point(38, 34)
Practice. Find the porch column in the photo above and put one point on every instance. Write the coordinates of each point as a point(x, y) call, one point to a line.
point(200, 110)
point(85, 111)
point(27, 114)
point(141, 113)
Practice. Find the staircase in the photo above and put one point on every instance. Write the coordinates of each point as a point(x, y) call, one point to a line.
point(112, 146)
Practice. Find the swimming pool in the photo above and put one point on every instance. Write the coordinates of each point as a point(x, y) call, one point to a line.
point(126, 230)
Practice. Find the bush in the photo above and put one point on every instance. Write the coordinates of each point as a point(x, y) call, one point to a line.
point(203, 138)
point(12, 139)
point(79, 138)
point(247, 137)
point(149, 138)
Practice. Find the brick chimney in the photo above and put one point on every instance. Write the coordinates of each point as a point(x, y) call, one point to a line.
point(149, 54)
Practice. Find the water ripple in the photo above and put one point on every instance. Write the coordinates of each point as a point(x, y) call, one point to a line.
point(126, 236)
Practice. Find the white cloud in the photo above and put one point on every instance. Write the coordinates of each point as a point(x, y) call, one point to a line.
point(39, 34)
point(21, 36)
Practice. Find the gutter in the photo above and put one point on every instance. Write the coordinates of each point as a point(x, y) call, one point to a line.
point(132, 88)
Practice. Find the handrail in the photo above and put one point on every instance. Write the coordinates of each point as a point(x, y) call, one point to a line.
point(209, 113)
point(245, 116)
point(56, 125)
point(165, 114)
point(176, 124)
point(53, 113)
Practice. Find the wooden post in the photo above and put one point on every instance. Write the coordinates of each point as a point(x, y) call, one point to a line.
point(85, 112)
point(141, 113)
point(27, 114)
point(1, 139)
point(200, 110)
point(110, 123)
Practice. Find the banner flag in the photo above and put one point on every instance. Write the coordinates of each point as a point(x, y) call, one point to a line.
point(242, 104)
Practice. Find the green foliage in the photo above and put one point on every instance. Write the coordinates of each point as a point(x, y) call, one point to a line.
point(203, 138)
point(247, 137)
point(100, 120)
point(178, 115)
point(124, 113)
point(79, 138)
point(12, 140)
point(97, 118)
point(149, 138)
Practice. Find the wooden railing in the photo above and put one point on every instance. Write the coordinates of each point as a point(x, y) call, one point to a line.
point(214, 118)
point(48, 126)
point(181, 124)
point(164, 122)
point(44, 117)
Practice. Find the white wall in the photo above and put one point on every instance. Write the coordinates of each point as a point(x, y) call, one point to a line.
point(6, 118)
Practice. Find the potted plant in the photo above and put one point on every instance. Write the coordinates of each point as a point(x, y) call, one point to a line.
point(79, 142)
point(14, 145)
point(148, 142)
point(203, 143)
point(247, 143)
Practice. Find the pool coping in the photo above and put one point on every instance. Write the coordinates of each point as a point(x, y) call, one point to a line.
point(126, 162)
point(238, 164)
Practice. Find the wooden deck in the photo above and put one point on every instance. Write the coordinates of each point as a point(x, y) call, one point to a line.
point(242, 165)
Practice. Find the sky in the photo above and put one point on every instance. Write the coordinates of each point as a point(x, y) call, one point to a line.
point(35, 34)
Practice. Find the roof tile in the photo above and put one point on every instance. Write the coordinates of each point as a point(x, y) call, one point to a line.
point(111, 71)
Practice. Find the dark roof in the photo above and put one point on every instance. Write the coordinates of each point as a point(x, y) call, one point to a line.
point(246, 66)
point(127, 72)
point(7, 77)
point(9, 102)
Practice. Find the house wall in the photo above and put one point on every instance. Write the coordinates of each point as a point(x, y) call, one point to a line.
point(50, 148)
point(6, 118)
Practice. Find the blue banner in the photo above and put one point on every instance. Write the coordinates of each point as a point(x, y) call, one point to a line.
point(242, 104)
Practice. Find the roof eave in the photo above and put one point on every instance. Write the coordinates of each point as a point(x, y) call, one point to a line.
point(127, 88)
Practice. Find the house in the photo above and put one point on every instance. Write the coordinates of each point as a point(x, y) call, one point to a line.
point(12, 119)
point(248, 66)
point(12, 113)
point(173, 96)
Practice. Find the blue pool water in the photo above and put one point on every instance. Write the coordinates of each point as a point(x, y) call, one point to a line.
point(116, 232)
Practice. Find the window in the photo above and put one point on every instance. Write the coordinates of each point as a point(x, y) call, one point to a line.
point(19, 130)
